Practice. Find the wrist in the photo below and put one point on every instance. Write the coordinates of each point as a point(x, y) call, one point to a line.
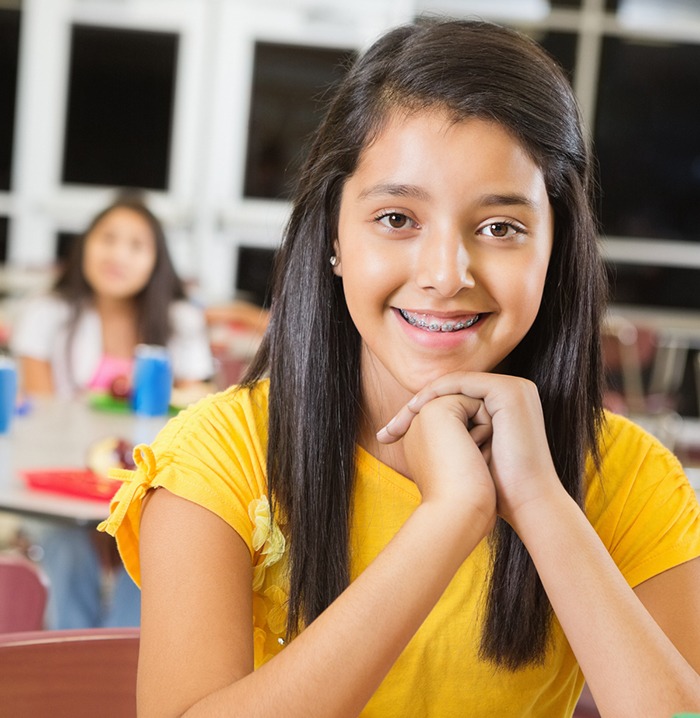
point(461, 525)
point(544, 510)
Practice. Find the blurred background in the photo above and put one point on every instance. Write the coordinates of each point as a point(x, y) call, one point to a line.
point(207, 104)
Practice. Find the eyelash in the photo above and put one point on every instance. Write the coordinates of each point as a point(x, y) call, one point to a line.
point(518, 229)
point(391, 213)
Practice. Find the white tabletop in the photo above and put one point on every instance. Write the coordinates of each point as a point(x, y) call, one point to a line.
point(56, 434)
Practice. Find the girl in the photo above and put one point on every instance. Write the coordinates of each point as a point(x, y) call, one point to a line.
point(439, 282)
point(114, 292)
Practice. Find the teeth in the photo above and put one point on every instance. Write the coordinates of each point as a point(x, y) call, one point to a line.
point(434, 325)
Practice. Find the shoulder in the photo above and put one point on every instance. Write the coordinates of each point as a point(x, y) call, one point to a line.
point(640, 501)
point(37, 323)
point(217, 445)
point(626, 447)
point(46, 306)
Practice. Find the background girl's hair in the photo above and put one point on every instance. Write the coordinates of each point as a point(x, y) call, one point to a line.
point(311, 350)
point(153, 302)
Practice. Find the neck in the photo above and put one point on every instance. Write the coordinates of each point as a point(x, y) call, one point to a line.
point(382, 398)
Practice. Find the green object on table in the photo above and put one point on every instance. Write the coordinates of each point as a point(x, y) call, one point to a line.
point(686, 715)
point(107, 402)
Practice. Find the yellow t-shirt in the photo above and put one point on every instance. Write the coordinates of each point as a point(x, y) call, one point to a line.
point(214, 454)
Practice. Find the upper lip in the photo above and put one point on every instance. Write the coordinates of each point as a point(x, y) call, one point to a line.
point(457, 314)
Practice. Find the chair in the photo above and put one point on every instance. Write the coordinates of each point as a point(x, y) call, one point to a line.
point(630, 352)
point(586, 707)
point(77, 673)
point(23, 594)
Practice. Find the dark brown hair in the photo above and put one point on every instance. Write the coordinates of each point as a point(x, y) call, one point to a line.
point(312, 349)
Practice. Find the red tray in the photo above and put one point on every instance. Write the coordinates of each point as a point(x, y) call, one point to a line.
point(73, 482)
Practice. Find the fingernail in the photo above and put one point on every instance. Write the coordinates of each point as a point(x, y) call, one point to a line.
point(412, 404)
point(384, 434)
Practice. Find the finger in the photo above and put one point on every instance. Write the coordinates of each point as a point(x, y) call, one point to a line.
point(475, 412)
point(480, 434)
point(473, 384)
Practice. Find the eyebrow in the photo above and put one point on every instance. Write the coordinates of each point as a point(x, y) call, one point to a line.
point(395, 190)
point(508, 200)
point(415, 192)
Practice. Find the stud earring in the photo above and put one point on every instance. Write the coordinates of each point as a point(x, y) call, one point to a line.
point(334, 261)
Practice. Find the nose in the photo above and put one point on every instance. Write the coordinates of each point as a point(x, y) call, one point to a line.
point(444, 263)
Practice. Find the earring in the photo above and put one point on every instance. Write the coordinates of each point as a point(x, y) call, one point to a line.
point(334, 261)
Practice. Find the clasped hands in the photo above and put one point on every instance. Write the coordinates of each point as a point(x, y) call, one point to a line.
point(477, 437)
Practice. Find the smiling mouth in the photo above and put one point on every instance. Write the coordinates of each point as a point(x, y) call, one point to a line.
point(433, 324)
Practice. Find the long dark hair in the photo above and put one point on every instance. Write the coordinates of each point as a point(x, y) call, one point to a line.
point(152, 302)
point(312, 349)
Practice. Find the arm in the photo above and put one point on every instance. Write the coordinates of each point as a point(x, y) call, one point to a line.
point(196, 641)
point(639, 657)
point(36, 376)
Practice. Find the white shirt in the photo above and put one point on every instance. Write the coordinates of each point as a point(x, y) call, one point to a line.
point(41, 332)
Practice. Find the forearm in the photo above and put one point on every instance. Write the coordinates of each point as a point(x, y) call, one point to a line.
point(632, 667)
point(334, 666)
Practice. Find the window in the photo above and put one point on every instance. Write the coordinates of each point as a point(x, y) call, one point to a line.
point(3, 239)
point(254, 274)
point(9, 48)
point(647, 138)
point(289, 86)
point(120, 106)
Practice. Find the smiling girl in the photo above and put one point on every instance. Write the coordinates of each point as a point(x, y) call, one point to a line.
point(423, 511)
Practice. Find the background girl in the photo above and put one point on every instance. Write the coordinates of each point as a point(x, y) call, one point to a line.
point(118, 289)
point(439, 278)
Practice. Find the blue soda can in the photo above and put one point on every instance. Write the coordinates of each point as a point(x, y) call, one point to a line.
point(153, 380)
point(8, 392)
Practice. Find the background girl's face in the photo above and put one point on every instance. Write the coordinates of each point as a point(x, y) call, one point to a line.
point(444, 237)
point(120, 254)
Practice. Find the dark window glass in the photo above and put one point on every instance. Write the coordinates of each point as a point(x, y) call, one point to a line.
point(612, 5)
point(64, 245)
point(561, 46)
point(9, 49)
point(290, 86)
point(120, 107)
point(566, 3)
point(647, 285)
point(254, 274)
point(647, 136)
point(3, 239)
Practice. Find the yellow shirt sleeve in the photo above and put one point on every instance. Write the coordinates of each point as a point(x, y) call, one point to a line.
point(641, 503)
point(213, 454)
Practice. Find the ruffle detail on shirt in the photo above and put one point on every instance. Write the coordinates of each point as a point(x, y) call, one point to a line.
point(268, 540)
point(134, 486)
point(269, 579)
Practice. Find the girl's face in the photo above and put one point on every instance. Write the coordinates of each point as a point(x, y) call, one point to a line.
point(444, 237)
point(120, 254)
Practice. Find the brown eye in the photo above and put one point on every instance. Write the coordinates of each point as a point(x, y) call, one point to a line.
point(499, 229)
point(395, 220)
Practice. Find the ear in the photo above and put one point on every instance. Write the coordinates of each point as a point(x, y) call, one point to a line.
point(337, 266)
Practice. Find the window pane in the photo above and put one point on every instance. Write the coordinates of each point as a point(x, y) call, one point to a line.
point(561, 46)
point(290, 85)
point(647, 285)
point(254, 274)
point(566, 3)
point(120, 106)
point(647, 135)
point(3, 239)
point(9, 48)
point(64, 245)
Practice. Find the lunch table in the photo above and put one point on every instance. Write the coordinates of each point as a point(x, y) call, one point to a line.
point(56, 434)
